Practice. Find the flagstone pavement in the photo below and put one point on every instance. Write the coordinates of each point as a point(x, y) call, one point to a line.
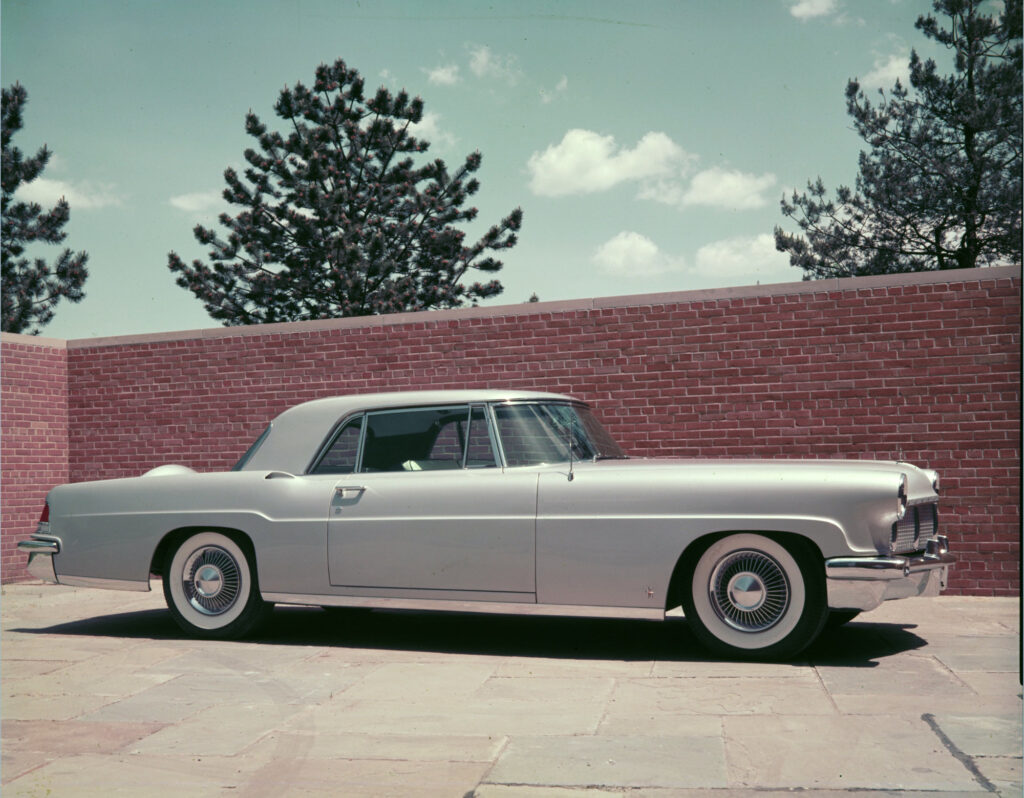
point(103, 696)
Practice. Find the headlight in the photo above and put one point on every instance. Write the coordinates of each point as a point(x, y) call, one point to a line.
point(933, 476)
point(901, 509)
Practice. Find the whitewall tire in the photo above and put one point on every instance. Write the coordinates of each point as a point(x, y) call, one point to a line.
point(751, 596)
point(211, 588)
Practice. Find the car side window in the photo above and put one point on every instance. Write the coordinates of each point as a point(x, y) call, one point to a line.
point(430, 439)
point(340, 457)
point(528, 435)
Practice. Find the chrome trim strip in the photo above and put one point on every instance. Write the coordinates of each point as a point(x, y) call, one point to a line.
point(442, 605)
point(107, 584)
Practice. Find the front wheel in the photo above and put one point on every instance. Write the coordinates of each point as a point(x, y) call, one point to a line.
point(211, 589)
point(750, 596)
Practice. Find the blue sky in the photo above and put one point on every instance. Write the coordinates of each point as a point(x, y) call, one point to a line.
point(648, 143)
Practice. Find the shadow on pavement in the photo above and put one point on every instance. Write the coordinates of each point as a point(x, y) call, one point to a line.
point(857, 644)
point(861, 644)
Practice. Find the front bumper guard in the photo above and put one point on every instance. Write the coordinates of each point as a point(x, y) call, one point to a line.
point(862, 583)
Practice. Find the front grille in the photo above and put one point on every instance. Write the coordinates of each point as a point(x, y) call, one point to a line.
point(920, 523)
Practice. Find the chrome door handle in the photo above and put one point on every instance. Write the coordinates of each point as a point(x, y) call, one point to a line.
point(340, 489)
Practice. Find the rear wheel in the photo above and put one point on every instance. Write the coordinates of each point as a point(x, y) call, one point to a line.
point(750, 596)
point(211, 589)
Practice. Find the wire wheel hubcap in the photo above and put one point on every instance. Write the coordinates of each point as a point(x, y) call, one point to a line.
point(749, 591)
point(211, 580)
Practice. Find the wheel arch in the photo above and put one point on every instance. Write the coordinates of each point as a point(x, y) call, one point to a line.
point(680, 579)
point(172, 539)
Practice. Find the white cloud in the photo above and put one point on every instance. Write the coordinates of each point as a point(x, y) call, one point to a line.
point(198, 203)
point(886, 70)
point(667, 190)
point(485, 64)
point(808, 9)
point(547, 96)
point(633, 254)
point(728, 188)
point(80, 196)
point(429, 128)
point(443, 75)
point(750, 257)
point(585, 162)
point(743, 260)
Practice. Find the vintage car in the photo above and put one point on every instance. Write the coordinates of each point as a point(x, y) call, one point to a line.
point(501, 501)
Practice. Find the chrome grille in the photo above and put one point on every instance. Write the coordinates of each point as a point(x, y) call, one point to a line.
point(920, 523)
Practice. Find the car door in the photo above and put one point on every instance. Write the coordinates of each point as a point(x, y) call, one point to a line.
point(427, 507)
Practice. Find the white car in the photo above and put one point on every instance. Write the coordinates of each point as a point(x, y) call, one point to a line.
point(502, 501)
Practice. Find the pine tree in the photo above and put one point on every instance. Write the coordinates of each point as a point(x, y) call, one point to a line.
point(335, 219)
point(940, 186)
point(31, 289)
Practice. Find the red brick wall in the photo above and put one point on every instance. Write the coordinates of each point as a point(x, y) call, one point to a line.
point(34, 437)
point(925, 366)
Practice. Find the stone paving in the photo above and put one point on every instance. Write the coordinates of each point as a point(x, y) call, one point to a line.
point(103, 696)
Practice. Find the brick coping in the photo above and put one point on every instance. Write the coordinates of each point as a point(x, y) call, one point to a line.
point(829, 285)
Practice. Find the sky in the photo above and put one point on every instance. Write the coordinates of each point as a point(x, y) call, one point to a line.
point(648, 143)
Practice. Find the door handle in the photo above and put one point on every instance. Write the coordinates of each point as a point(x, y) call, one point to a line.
point(357, 489)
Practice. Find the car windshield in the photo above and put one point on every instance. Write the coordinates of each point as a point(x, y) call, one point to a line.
point(534, 434)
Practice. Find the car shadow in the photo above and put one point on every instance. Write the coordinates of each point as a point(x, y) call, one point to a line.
point(857, 644)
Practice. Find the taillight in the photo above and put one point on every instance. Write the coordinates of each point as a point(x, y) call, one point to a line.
point(45, 517)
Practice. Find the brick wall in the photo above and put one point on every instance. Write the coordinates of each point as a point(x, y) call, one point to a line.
point(923, 366)
point(33, 437)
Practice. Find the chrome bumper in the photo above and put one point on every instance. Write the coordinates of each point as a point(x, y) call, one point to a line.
point(862, 583)
point(40, 549)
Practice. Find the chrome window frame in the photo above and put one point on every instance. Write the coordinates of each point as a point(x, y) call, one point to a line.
point(365, 416)
point(489, 408)
point(332, 436)
point(492, 436)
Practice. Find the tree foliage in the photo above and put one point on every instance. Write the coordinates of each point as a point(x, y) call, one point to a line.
point(31, 288)
point(336, 219)
point(940, 186)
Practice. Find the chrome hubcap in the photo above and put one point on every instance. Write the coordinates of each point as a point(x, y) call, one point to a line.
point(211, 580)
point(746, 591)
point(749, 591)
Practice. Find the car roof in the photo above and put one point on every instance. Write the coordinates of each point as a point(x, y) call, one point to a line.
point(296, 434)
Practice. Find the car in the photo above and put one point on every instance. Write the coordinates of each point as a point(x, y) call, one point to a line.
point(502, 501)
